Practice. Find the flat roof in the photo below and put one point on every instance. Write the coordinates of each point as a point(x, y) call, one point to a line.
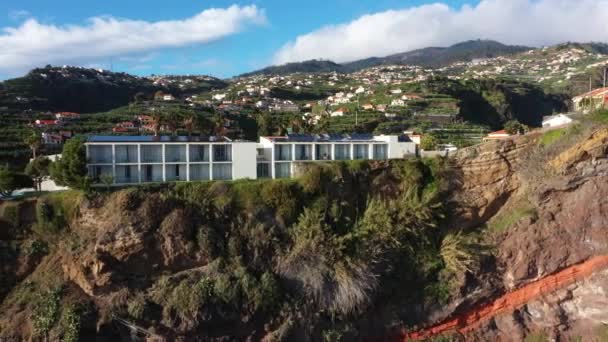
point(323, 137)
point(152, 138)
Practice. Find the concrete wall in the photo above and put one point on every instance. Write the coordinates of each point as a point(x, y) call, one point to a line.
point(244, 160)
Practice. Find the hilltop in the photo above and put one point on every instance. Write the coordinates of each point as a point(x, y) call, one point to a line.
point(86, 90)
point(428, 57)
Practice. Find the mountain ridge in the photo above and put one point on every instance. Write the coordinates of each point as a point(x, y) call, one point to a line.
point(429, 56)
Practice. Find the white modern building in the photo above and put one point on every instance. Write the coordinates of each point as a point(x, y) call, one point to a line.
point(558, 120)
point(144, 159)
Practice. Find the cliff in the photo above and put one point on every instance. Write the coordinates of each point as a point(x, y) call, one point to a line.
point(504, 241)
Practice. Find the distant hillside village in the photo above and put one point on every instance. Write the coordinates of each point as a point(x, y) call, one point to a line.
point(437, 109)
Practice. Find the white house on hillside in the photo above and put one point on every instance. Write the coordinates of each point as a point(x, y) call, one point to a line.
point(556, 120)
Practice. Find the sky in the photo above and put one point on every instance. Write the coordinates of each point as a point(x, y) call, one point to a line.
point(227, 38)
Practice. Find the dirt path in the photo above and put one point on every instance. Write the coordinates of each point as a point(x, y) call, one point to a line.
point(469, 320)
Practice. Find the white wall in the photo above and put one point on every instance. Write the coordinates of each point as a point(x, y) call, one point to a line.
point(397, 149)
point(244, 161)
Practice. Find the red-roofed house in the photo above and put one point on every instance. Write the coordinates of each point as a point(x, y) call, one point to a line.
point(66, 116)
point(594, 99)
point(498, 135)
point(46, 123)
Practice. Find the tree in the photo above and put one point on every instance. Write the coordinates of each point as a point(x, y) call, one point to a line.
point(219, 122)
point(107, 180)
point(514, 127)
point(203, 124)
point(158, 119)
point(38, 169)
point(139, 97)
point(71, 169)
point(189, 120)
point(429, 142)
point(33, 140)
point(173, 118)
point(11, 181)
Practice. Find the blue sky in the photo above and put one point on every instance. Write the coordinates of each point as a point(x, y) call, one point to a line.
point(264, 32)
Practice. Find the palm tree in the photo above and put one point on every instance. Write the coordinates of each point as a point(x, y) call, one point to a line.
point(34, 142)
point(189, 119)
point(173, 119)
point(158, 122)
point(203, 124)
point(219, 122)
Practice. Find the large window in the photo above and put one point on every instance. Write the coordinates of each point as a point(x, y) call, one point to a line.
point(361, 151)
point(126, 174)
point(282, 152)
point(381, 151)
point(199, 172)
point(222, 171)
point(282, 170)
point(101, 154)
point(175, 153)
point(126, 153)
point(175, 172)
point(323, 152)
point(222, 153)
point(303, 152)
point(151, 153)
point(96, 171)
point(342, 152)
point(263, 170)
point(199, 153)
point(151, 173)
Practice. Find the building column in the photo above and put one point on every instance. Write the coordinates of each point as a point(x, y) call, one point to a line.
point(188, 162)
point(272, 171)
point(352, 151)
point(163, 162)
point(210, 161)
point(114, 163)
point(332, 151)
point(370, 152)
point(314, 151)
point(139, 163)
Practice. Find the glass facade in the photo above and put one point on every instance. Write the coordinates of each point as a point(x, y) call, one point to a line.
point(303, 152)
point(222, 171)
point(100, 154)
point(342, 152)
point(380, 151)
point(151, 153)
point(199, 172)
point(175, 172)
point(222, 153)
point(282, 152)
point(263, 170)
point(175, 153)
point(323, 152)
point(152, 173)
point(96, 171)
point(199, 153)
point(126, 154)
point(360, 151)
point(126, 174)
point(282, 170)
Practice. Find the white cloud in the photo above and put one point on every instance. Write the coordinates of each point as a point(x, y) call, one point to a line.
point(34, 44)
point(524, 22)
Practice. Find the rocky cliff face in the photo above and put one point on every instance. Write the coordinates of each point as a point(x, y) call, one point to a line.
point(540, 209)
point(545, 209)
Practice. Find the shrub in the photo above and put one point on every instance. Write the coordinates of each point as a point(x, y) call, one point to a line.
point(46, 311)
point(550, 137)
point(45, 213)
point(281, 196)
point(11, 214)
point(457, 254)
point(70, 322)
point(136, 306)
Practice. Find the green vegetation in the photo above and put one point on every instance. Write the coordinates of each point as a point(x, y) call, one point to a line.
point(507, 219)
point(46, 312)
point(11, 181)
point(38, 170)
point(71, 169)
point(550, 137)
point(540, 336)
